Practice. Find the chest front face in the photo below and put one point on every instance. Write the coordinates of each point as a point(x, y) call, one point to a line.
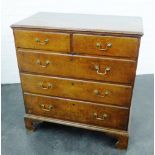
point(77, 76)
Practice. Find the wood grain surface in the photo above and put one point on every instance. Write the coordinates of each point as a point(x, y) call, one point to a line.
point(56, 41)
point(120, 46)
point(77, 89)
point(74, 66)
point(77, 111)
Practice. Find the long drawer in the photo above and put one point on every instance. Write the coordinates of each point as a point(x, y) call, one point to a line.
point(105, 45)
point(78, 111)
point(83, 67)
point(42, 40)
point(77, 89)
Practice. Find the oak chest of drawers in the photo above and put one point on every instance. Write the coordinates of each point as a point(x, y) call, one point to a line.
point(78, 70)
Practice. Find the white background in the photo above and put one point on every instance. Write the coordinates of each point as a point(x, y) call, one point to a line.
point(15, 10)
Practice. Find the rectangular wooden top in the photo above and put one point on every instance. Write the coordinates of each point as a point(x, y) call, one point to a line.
point(83, 22)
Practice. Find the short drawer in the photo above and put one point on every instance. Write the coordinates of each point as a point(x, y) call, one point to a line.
point(105, 45)
point(42, 40)
point(77, 111)
point(77, 89)
point(83, 67)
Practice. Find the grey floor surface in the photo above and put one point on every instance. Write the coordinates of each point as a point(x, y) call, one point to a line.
point(53, 139)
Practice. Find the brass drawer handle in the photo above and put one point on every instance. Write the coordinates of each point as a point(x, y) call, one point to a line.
point(47, 62)
point(47, 86)
point(44, 108)
point(106, 70)
point(37, 40)
point(107, 46)
point(102, 118)
point(105, 93)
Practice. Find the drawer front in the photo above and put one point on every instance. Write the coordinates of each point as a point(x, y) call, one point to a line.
point(42, 40)
point(105, 45)
point(77, 111)
point(77, 89)
point(93, 68)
